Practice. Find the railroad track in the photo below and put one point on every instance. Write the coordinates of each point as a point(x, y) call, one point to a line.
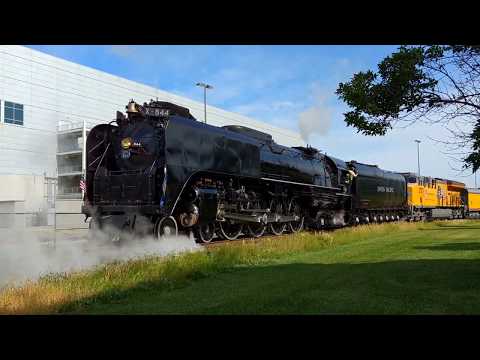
point(218, 241)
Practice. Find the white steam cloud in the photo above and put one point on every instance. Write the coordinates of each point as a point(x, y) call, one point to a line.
point(315, 120)
point(28, 255)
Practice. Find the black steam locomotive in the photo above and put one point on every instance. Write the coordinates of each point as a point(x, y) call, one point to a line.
point(158, 170)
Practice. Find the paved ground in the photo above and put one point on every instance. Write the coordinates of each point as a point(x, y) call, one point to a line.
point(43, 234)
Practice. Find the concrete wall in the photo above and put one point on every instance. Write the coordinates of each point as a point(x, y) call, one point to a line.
point(12, 214)
point(23, 204)
point(70, 221)
point(29, 189)
point(23, 200)
point(68, 215)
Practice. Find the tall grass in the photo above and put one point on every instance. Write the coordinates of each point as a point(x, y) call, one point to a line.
point(57, 293)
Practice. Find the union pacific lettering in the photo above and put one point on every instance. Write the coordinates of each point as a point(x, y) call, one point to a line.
point(385, 189)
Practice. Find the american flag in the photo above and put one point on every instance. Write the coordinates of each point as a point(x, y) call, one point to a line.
point(83, 185)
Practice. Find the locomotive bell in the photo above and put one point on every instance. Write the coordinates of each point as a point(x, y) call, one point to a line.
point(132, 107)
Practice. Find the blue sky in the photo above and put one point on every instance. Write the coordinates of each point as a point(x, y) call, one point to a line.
point(289, 86)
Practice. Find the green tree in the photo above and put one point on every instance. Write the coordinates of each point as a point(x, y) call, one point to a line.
point(436, 84)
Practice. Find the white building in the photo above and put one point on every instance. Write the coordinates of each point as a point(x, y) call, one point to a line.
point(43, 103)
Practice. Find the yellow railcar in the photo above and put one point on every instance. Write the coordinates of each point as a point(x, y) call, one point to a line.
point(434, 197)
point(473, 196)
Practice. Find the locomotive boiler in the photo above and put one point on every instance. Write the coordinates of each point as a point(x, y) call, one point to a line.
point(158, 170)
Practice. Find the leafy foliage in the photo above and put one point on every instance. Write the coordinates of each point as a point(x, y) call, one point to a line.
point(414, 83)
point(474, 157)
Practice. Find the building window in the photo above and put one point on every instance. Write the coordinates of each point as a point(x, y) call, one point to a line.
point(13, 113)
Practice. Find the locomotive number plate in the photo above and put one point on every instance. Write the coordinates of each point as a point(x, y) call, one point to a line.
point(125, 154)
point(150, 111)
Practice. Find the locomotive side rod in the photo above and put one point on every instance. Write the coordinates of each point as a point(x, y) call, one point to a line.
point(270, 218)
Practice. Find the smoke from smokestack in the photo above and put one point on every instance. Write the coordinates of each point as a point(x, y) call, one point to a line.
point(315, 120)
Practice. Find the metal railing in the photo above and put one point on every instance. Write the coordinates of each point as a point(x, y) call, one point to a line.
point(77, 125)
point(69, 192)
point(66, 169)
point(70, 195)
point(67, 148)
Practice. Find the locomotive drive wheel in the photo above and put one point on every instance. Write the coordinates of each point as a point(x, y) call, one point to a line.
point(228, 230)
point(277, 228)
point(205, 233)
point(295, 209)
point(166, 226)
point(256, 230)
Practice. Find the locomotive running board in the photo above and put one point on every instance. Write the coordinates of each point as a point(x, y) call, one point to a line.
point(303, 184)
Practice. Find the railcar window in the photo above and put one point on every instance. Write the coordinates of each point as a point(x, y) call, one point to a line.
point(13, 113)
point(412, 180)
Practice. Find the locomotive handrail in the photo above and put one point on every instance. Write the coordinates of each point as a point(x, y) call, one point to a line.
point(303, 184)
point(94, 161)
point(100, 143)
point(100, 163)
point(151, 167)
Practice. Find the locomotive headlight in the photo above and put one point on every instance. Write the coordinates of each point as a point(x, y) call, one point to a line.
point(126, 143)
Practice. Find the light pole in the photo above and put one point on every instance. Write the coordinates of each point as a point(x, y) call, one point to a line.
point(418, 155)
point(205, 87)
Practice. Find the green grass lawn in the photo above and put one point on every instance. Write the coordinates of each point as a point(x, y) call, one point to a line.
point(386, 269)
